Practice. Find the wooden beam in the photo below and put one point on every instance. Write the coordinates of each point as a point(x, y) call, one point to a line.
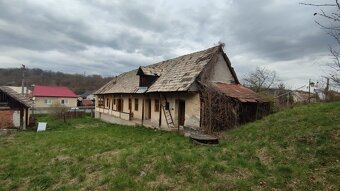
point(143, 110)
point(26, 118)
point(160, 110)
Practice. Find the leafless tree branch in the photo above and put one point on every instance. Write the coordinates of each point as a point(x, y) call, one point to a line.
point(261, 79)
point(333, 29)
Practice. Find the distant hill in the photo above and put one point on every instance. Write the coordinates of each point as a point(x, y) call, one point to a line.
point(77, 82)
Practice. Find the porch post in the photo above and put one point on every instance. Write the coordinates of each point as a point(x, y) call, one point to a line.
point(121, 106)
point(26, 118)
point(21, 118)
point(160, 110)
point(143, 110)
point(130, 107)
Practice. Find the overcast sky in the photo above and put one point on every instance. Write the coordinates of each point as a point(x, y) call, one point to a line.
point(111, 37)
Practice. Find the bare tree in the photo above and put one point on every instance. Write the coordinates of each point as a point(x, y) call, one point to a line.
point(333, 29)
point(260, 79)
point(335, 66)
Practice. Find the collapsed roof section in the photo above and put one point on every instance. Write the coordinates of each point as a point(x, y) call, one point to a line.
point(173, 75)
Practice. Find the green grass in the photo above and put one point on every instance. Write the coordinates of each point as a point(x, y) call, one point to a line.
point(297, 149)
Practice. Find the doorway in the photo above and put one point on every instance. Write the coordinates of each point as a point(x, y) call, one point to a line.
point(181, 112)
point(148, 109)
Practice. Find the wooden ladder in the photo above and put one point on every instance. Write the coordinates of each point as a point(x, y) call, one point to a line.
point(167, 115)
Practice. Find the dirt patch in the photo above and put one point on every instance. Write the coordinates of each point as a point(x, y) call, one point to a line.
point(60, 159)
point(80, 126)
point(8, 138)
point(104, 155)
point(263, 156)
point(234, 175)
point(8, 132)
point(161, 180)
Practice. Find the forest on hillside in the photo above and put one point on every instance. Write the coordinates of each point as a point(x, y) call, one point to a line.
point(77, 82)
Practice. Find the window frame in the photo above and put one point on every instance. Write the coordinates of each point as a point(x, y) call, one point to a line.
point(107, 105)
point(65, 101)
point(48, 101)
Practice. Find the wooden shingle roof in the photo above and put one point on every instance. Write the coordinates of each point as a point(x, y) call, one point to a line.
point(176, 74)
point(17, 96)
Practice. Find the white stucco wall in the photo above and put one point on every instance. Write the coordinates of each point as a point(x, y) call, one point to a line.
point(192, 108)
point(220, 71)
point(40, 102)
point(16, 119)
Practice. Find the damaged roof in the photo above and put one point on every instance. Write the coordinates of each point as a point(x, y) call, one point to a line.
point(239, 92)
point(17, 96)
point(177, 74)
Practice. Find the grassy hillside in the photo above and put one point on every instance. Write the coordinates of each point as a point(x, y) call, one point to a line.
point(293, 150)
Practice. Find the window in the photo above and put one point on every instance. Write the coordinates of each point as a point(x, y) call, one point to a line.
point(130, 104)
point(146, 80)
point(156, 105)
point(167, 106)
point(107, 102)
point(64, 101)
point(48, 101)
point(114, 101)
point(100, 101)
point(136, 104)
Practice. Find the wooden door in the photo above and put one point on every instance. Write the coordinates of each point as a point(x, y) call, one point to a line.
point(149, 105)
point(181, 112)
point(148, 109)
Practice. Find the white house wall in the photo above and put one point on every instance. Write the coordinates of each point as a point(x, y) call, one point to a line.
point(220, 71)
point(192, 108)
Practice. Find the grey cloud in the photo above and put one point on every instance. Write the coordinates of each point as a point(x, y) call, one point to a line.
point(110, 37)
point(276, 32)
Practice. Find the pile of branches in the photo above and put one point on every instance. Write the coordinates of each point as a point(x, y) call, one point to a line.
point(218, 111)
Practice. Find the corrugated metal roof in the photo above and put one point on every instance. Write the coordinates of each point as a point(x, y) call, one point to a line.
point(53, 91)
point(240, 92)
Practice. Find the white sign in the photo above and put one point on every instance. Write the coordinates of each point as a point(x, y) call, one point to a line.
point(41, 126)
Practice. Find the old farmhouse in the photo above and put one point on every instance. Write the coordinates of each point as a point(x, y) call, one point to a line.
point(198, 90)
point(14, 109)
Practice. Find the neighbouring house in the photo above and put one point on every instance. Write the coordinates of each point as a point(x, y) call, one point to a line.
point(18, 89)
point(199, 91)
point(14, 109)
point(303, 96)
point(86, 102)
point(320, 94)
point(333, 95)
point(86, 99)
point(87, 95)
point(45, 98)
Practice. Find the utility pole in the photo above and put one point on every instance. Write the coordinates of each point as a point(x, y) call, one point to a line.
point(327, 90)
point(309, 91)
point(310, 83)
point(23, 80)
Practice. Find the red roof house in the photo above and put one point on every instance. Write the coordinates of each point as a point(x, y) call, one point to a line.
point(46, 96)
point(53, 91)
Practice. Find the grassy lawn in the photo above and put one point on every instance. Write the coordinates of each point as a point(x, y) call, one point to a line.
point(297, 149)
